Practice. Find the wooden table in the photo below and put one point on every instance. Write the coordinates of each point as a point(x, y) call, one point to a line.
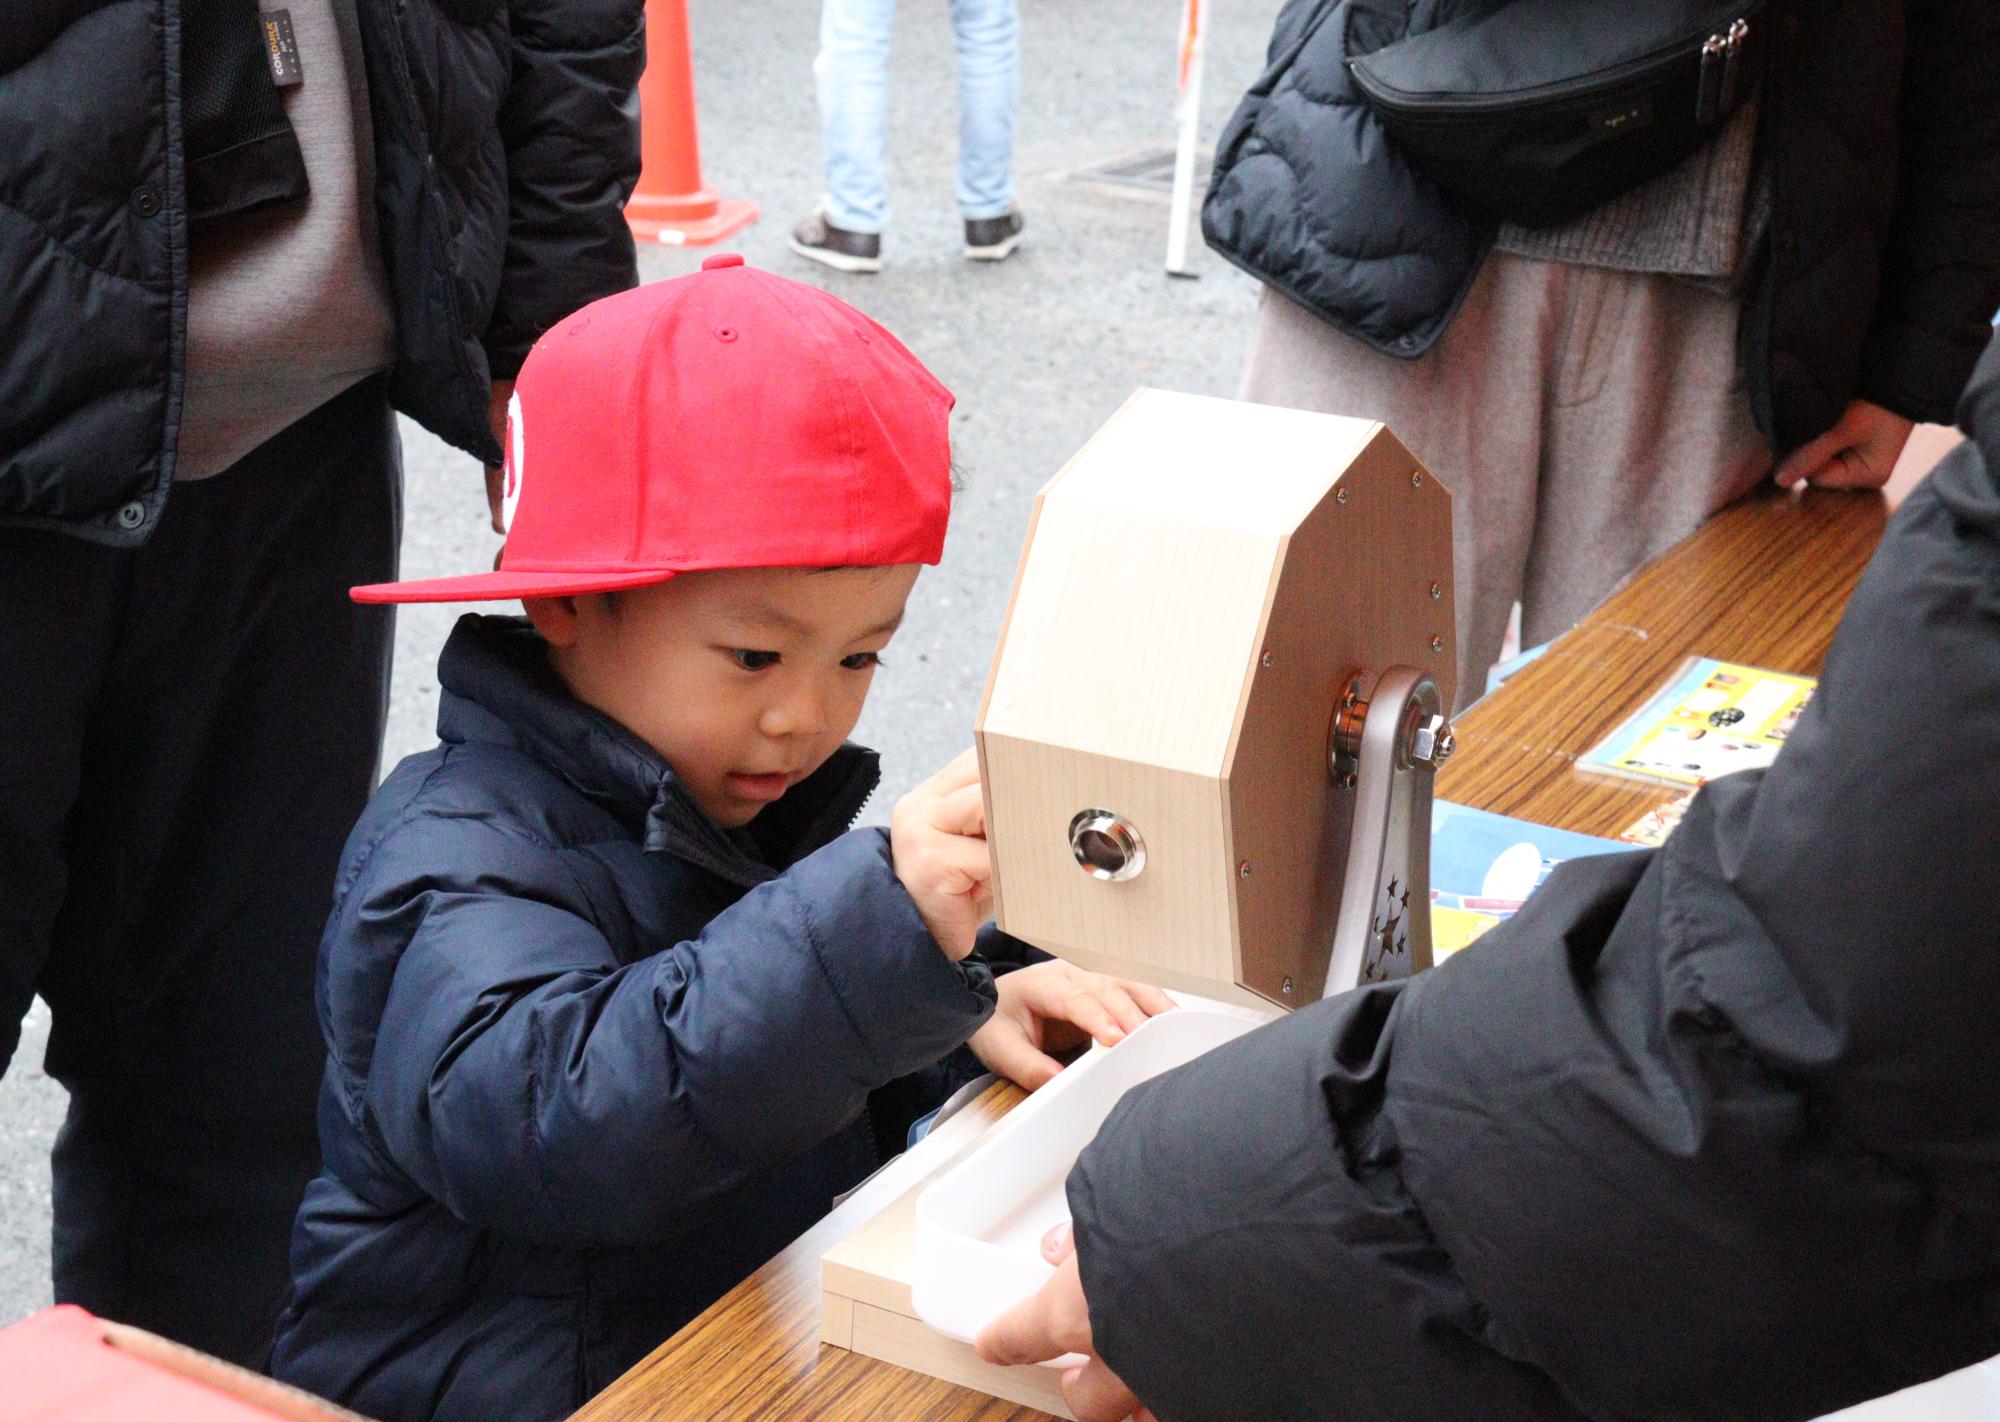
point(1762, 583)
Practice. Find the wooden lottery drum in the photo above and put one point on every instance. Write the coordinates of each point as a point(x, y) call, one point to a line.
point(1204, 584)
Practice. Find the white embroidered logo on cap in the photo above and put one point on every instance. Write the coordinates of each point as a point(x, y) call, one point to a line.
point(516, 458)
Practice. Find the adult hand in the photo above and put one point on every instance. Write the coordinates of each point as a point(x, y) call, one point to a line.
point(496, 475)
point(1056, 1320)
point(1859, 452)
point(1053, 1006)
point(937, 842)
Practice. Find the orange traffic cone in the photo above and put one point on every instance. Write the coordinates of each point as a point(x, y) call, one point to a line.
point(672, 204)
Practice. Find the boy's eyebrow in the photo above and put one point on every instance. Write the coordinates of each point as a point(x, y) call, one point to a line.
point(776, 617)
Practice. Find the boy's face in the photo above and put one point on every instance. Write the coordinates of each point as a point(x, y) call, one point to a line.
point(746, 680)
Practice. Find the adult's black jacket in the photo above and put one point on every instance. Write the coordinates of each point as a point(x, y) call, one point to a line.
point(1881, 124)
point(1706, 1133)
point(506, 141)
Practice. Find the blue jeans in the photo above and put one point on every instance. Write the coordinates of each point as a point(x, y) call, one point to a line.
point(853, 75)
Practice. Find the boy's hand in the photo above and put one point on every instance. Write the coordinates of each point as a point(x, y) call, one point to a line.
point(1053, 1007)
point(937, 841)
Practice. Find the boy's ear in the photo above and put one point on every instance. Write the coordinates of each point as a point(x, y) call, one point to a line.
point(554, 617)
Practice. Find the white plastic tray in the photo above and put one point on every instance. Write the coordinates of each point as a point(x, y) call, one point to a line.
point(1971, 1395)
point(980, 1224)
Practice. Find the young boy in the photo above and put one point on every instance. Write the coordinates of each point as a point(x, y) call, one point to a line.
point(615, 1003)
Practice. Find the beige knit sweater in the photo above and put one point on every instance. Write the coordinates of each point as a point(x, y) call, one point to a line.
point(1701, 220)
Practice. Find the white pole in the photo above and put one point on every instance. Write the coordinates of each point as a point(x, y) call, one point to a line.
point(1193, 47)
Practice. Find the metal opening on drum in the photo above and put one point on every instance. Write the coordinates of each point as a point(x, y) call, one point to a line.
point(1106, 845)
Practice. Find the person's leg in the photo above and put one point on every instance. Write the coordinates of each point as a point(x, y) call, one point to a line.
point(988, 37)
point(59, 603)
point(236, 742)
point(852, 74)
point(1470, 409)
point(1649, 433)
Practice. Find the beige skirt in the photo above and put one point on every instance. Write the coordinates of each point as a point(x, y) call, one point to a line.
point(1584, 419)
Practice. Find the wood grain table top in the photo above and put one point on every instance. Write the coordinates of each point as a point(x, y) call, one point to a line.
point(1763, 583)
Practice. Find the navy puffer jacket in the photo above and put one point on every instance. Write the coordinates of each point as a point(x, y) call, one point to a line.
point(1310, 197)
point(591, 1059)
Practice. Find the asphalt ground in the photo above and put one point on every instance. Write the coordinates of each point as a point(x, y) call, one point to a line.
point(1040, 350)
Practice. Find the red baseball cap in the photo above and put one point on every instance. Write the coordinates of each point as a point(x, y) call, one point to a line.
point(727, 419)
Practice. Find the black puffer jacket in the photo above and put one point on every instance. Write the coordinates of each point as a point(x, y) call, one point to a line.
point(1711, 1132)
point(506, 136)
point(1882, 126)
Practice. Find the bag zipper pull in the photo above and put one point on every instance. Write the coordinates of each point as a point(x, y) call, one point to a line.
point(1710, 89)
point(1732, 64)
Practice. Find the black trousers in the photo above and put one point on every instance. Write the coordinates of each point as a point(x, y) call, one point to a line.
point(187, 732)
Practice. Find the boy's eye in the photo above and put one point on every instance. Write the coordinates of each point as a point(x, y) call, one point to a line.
point(753, 661)
point(861, 661)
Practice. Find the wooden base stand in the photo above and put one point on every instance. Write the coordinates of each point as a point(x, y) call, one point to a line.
point(865, 1284)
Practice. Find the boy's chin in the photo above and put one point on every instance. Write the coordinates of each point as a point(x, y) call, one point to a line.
point(737, 816)
point(730, 812)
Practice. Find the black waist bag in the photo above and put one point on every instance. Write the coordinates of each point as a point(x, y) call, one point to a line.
point(1540, 110)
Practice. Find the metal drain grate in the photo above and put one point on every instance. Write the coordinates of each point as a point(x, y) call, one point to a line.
point(1150, 170)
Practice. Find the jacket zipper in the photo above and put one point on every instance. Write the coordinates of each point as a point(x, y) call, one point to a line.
point(1709, 93)
point(1721, 72)
point(1732, 64)
point(1720, 57)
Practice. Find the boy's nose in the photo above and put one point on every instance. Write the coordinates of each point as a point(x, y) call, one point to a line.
point(800, 714)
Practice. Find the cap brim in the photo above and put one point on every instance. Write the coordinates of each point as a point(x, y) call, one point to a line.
point(503, 586)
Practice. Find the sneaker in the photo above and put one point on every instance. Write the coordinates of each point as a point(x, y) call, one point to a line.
point(818, 240)
point(993, 239)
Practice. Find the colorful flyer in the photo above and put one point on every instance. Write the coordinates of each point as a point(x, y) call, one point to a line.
point(1453, 928)
point(1484, 866)
point(1651, 829)
point(1713, 719)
